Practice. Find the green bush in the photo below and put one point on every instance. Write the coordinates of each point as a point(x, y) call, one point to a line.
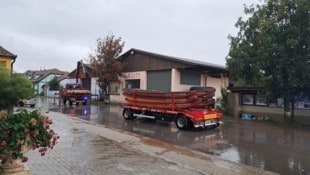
point(13, 88)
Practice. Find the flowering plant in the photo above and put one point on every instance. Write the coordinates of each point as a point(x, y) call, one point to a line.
point(24, 129)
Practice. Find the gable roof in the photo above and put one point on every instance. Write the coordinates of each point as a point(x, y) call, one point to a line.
point(174, 59)
point(82, 71)
point(43, 73)
point(6, 53)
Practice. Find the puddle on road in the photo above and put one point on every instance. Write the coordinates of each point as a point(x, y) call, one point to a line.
point(169, 147)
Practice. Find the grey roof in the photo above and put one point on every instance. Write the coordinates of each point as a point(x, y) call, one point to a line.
point(177, 59)
point(6, 53)
point(43, 73)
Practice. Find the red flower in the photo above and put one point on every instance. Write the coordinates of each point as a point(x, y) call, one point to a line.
point(25, 159)
point(34, 146)
point(3, 144)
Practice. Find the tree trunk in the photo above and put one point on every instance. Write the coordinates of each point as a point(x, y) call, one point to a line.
point(286, 94)
point(105, 96)
point(293, 111)
point(286, 109)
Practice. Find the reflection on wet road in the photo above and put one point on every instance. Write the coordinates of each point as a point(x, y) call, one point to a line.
point(278, 149)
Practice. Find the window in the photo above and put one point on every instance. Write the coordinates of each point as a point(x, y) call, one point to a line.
point(189, 78)
point(132, 84)
point(247, 99)
point(115, 89)
point(260, 100)
point(301, 100)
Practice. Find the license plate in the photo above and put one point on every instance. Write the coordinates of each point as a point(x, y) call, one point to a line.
point(210, 116)
point(209, 122)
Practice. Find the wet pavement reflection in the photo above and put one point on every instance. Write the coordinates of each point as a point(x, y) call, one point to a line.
point(278, 149)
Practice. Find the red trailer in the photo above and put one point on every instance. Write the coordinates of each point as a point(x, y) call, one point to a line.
point(192, 109)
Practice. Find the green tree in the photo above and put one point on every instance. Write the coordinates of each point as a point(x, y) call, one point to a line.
point(13, 88)
point(54, 84)
point(105, 65)
point(223, 101)
point(271, 49)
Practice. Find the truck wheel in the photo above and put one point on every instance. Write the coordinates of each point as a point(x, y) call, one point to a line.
point(181, 122)
point(127, 114)
point(64, 101)
point(21, 103)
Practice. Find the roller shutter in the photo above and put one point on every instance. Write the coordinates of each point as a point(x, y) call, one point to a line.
point(159, 80)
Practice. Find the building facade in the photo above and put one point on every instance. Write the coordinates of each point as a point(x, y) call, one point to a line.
point(7, 60)
point(251, 101)
point(41, 78)
point(152, 71)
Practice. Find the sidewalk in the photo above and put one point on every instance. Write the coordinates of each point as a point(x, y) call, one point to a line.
point(89, 149)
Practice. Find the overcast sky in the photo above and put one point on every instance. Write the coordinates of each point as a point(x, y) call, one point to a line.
point(58, 33)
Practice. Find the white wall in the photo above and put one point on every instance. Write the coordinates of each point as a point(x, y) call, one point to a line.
point(51, 93)
point(135, 75)
point(142, 75)
point(217, 83)
point(94, 88)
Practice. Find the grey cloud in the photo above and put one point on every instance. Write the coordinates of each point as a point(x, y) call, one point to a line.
point(56, 34)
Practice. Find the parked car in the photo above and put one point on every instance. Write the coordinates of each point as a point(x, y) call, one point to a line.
point(27, 102)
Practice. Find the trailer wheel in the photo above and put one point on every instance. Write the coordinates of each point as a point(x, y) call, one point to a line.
point(127, 114)
point(181, 122)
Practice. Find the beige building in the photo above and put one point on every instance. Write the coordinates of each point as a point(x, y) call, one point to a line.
point(151, 71)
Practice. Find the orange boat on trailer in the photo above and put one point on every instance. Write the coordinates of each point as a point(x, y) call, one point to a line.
point(190, 109)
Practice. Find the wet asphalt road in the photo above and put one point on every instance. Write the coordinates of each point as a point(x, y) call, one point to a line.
point(278, 149)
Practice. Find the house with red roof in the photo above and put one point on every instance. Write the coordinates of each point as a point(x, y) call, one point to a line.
point(41, 78)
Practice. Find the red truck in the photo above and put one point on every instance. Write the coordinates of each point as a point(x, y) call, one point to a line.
point(192, 109)
point(74, 93)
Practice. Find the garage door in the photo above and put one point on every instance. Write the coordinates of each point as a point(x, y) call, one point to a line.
point(159, 80)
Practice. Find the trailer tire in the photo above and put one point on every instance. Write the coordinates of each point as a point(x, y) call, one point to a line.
point(127, 114)
point(181, 122)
